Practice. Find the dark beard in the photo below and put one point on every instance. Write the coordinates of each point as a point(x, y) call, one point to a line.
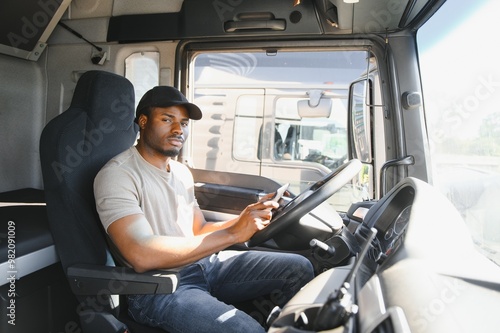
point(171, 152)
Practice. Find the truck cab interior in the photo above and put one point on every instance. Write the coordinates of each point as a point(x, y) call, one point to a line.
point(399, 221)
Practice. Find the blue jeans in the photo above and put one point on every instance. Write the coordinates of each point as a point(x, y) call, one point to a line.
point(200, 303)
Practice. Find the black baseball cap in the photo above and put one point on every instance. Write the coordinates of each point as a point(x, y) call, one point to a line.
point(165, 96)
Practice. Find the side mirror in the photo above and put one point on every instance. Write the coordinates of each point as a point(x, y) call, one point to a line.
point(359, 120)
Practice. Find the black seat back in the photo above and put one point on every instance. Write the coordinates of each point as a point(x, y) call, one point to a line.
point(98, 125)
point(74, 146)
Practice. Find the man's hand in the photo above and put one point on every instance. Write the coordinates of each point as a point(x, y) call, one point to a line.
point(253, 218)
point(144, 250)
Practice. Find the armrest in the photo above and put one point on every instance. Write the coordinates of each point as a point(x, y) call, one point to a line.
point(95, 279)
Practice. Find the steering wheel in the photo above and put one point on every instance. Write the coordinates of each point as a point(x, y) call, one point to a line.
point(303, 203)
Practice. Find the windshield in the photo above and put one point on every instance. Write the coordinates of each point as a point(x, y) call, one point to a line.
point(461, 83)
point(281, 115)
point(279, 69)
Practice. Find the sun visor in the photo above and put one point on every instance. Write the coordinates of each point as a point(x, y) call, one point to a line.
point(27, 25)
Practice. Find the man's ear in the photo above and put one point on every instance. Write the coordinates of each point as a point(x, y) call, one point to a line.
point(143, 119)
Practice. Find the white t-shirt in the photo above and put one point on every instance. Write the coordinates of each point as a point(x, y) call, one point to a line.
point(128, 185)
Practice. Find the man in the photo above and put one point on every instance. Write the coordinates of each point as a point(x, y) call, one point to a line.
point(146, 203)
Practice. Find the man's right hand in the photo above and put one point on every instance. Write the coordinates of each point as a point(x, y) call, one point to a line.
point(253, 218)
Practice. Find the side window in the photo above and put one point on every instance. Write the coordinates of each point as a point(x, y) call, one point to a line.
point(142, 69)
point(287, 129)
point(248, 128)
point(462, 99)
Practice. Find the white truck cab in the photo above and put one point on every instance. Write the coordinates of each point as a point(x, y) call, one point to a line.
point(390, 150)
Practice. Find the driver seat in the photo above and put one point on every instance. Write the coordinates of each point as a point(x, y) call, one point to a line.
point(98, 125)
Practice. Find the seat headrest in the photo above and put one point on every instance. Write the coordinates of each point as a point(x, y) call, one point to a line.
point(104, 95)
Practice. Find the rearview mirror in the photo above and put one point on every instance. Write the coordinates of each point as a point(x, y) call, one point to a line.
point(316, 106)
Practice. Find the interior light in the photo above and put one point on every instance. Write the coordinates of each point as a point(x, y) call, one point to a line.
point(351, 1)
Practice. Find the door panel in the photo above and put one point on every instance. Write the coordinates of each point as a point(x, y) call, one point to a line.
point(229, 192)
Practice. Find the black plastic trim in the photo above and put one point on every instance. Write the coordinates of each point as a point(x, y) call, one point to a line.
point(95, 279)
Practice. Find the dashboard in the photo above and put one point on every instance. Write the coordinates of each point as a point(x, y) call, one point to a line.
point(422, 273)
point(390, 218)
